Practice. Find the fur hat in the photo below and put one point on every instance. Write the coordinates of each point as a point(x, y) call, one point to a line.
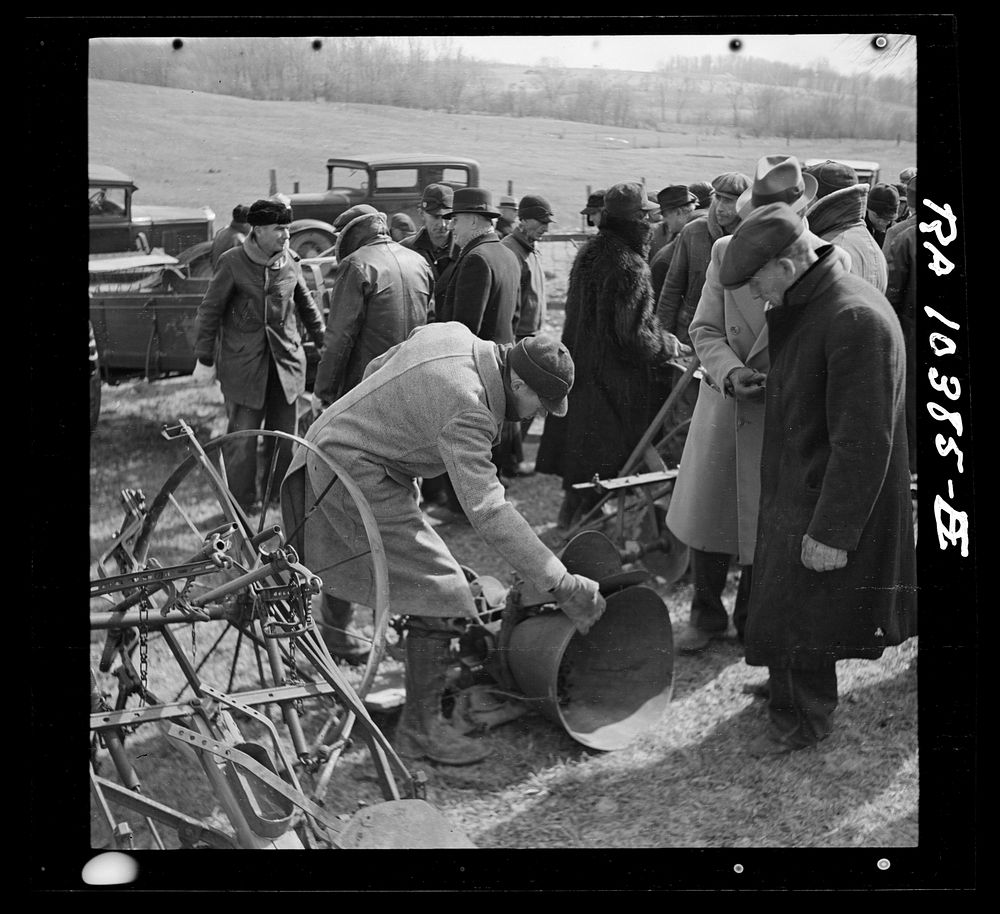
point(269, 212)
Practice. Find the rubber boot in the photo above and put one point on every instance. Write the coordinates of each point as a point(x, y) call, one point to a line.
point(342, 642)
point(422, 731)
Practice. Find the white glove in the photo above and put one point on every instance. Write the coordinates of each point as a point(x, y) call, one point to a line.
point(580, 599)
point(204, 374)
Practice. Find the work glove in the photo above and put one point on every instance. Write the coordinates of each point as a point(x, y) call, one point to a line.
point(204, 374)
point(745, 383)
point(580, 599)
point(817, 556)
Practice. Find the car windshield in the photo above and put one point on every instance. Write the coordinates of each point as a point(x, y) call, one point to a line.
point(107, 201)
point(348, 178)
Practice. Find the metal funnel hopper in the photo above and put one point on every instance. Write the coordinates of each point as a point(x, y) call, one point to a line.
point(605, 687)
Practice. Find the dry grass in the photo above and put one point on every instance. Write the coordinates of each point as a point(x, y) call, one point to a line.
point(687, 782)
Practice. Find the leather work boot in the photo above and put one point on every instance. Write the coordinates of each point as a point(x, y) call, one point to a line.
point(336, 616)
point(422, 731)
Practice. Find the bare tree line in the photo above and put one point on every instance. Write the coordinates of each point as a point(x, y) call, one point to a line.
point(744, 95)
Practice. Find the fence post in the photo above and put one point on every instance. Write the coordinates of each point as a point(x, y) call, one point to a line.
point(583, 217)
point(274, 182)
point(510, 188)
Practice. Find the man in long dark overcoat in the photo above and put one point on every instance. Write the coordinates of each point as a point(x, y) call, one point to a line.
point(620, 353)
point(834, 568)
point(483, 291)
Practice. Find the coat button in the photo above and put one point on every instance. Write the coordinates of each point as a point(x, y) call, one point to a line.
point(734, 330)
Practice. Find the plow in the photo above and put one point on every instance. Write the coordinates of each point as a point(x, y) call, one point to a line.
point(208, 659)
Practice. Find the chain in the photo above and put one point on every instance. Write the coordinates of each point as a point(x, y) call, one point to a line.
point(143, 649)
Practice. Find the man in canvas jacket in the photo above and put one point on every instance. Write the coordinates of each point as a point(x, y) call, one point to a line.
point(434, 403)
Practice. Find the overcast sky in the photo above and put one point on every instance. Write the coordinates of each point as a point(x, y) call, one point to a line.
point(845, 53)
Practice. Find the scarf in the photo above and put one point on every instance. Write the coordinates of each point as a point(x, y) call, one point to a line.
point(484, 230)
point(254, 252)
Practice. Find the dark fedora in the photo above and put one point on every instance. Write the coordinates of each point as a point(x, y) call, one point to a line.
point(595, 203)
point(476, 200)
point(627, 201)
point(674, 195)
point(778, 179)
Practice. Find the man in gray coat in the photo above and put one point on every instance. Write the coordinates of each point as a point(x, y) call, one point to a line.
point(381, 293)
point(835, 566)
point(431, 404)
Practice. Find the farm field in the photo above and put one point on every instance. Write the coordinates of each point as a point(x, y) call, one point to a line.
point(194, 148)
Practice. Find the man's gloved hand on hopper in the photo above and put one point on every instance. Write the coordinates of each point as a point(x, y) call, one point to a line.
point(580, 599)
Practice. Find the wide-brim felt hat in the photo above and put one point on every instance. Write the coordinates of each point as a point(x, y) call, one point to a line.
point(778, 179)
point(595, 203)
point(675, 195)
point(476, 200)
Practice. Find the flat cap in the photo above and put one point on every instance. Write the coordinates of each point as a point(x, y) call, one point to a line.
point(730, 183)
point(546, 366)
point(349, 215)
point(437, 199)
point(764, 234)
point(831, 176)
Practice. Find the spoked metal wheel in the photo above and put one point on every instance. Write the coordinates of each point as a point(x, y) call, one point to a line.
point(196, 499)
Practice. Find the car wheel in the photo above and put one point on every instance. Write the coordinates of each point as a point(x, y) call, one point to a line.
point(311, 243)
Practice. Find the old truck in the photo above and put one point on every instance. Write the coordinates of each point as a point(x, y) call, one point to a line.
point(390, 183)
point(117, 226)
point(143, 309)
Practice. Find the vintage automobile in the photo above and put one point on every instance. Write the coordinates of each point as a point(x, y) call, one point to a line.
point(867, 172)
point(392, 184)
point(95, 381)
point(117, 226)
point(143, 309)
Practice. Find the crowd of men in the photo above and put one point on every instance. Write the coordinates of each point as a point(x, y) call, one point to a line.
point(794, 290)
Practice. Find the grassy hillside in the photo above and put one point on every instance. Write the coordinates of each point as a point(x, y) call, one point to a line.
point(194, 148)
